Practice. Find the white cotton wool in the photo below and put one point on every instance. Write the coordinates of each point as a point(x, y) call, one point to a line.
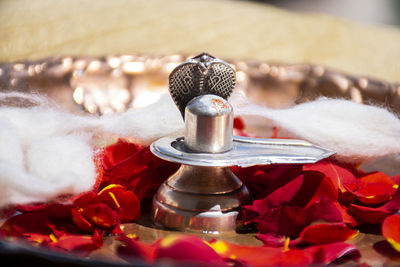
point(46, 152)
point(39, 122)
point(63, 158)
point(147, 124)
point(10, 146)
point(19, 187)
point(356, 132)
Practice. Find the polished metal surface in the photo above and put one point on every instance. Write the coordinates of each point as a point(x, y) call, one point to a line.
point(201, 189)
point(208, 124)
point(200, 75)
point(205, 187)
point(210, 222)
point(193, 179)
point(201, 199)
point(245, 152)
point(205, 198)
point(102, 85)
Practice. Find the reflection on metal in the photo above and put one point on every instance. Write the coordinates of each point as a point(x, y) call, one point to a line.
point(246, 152)
point(133, 67)
point(276, 85)
point(356, 95)
point(78, 95)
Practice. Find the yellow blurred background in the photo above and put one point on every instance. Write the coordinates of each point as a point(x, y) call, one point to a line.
point(228, 29)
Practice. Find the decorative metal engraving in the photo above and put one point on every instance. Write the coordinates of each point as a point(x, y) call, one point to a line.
point(203, 74)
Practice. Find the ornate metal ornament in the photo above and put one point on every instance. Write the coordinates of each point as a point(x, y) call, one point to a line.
point(204, 195)
point(201, 75)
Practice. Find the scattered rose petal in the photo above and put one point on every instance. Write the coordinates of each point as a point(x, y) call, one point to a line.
point(391, 230)
point(84, 200)
point(80, 221)
point(238, 123)
point(328, 253)
point(340, 175)
point(80, 243)
point(279, 197)
point(127, 169)
point(302, 212)
point(263, 180)
point(188, 249)
point(119, 152)
point(290, 220)
point(318, 234)
point(142, 186)
point(315, 186)
point(375, 215)
point(54, 210)
point(274, 241)
point(134, 249)
point(101, 215)
point(373, 188)
point(32, 226)
point(261, 256)
point(125, 202)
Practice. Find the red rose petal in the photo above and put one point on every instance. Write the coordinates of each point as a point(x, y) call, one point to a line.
point(274, 241)
point(288, 199)
point(373, 188)
point(279, 197)
point(79, 243)
point(63, 227)
point(143, 186)
point(326, 210)
point(391, 230)
point(84, 200)
point(290, 221)
point(238, 123)
point(375, 215)
point(295, 257)
point(339, 175)
point(54, 210)
point(367, 214)
point(326, 233)
point(134, 249)
point(396, 180)
point(326, 254)
point(263, 180)
point(29, 223)
point(126, 202)
point(119, 152)
point(159, 170)
point(187, 248)
point(346, 217)
point(123, 161)
point(101, 215)
point(127, 168)
point(261, 256)
point(80, 221)
point(315, 186)
point(31, 226)
point(377, 177)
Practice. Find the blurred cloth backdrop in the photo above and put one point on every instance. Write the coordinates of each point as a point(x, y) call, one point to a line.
point(227, 29)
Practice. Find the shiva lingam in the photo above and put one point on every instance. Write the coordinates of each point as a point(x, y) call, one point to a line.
point(204, 195)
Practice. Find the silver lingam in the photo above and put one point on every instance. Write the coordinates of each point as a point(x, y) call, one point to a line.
point(204, 195)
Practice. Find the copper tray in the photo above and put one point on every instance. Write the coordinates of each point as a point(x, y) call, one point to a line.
point(116, 82)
